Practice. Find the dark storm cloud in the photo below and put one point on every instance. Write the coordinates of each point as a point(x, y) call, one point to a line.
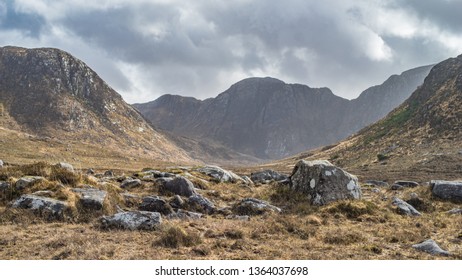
point(28, 23)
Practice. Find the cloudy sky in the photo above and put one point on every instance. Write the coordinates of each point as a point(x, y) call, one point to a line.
point(146, 48)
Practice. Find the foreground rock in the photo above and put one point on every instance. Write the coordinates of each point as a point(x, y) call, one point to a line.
point(133, 220)
point(155, 204)
point(447, 190)
point(27, 181)
point(266, 176)
point(180, 186)
point(219, 174)
point(91, 198)
point(48, 208)
point(253, 206)
point(405, 208)
point(323, 182)
point(430, 246)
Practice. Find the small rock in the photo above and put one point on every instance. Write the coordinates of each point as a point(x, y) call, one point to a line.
point(377, 183)
point(238, 217)
point(219, 174)
point(108, 173)
point(202, 203)
point(455, 211)
point(430, 246)
point(184, 215)
point(131, 200)
point(155, 204)
point(90, 171)
point(43, 193)
point(253, 206)
point(180, 186)
point(397, 187)
point(405, 208)
point(27, 181)
point(132, 220)
point(65, 165)
point(1, 163)
point(177, 202)
point(266, 176)
point(375, 190)
point(130, 183)
point(91, 198)
point(447, 190)
point(407, 184)
point(51, 209)
point(247, 180)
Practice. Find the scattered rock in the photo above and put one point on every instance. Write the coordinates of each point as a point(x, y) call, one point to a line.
point(447, 190)
point(91, 198)
point(219, 174)
point(247, 180)
point(132, 220)
point(90, 171)
point(375, 190)
point(200, 202)
point(406, 184)
point(65, 165)
point(155, 204)
point(323, 182)
point(177, 202)
point(430, 246)
point(455, 211)
point(180, 186)
point(377, 183)
point(267, 176)
point(253, 206)
point(27, 181)
point(108, 173)
point(130, 183)
point(184, 215)
point(397, 187)
point(131, 200)
point(238, 217)
point(43, 193)
point(405, 208)
point(51, 209)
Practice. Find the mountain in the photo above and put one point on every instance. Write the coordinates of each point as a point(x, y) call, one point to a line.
point(269, 119)
point(420, 138)
point(50, 94)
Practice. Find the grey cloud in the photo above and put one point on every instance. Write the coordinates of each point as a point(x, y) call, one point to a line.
point(29, 24)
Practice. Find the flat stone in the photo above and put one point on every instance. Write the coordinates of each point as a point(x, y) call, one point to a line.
point(27, 181)
point(219, 174)
point(184, 215)
point(431, 247)
point(132, 220)
point(377, 183)
point(49, 208)
point(91, 198)
point(130, 183)
point(455, 211)
point(405, 208)
point(253, 206)
point(267, 176)
point(406, 184)
point(447, 190)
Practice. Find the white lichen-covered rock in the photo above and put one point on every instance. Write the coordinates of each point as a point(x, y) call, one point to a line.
point(48, 208)
point(431, 247)
point(27, 181)
point(323, 182)
point(219, 174)
point(133, 220)
point(447, 190)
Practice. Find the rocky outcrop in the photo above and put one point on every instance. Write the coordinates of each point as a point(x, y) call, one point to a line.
point(323, 182)
point(50, 209)
point(180, 186)
point(266, 176)
point(133, 220)
point(253, 206)
point(447, 190)
point(431, 247)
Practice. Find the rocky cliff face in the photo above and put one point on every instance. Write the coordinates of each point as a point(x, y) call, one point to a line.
point(269, 119)
point(48, 92)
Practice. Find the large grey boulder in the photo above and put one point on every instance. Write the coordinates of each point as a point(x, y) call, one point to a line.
point(431, 247)
point(266, 176)
point(253, 206)
point(27, 181)
point(91, 198)
point(180, 186)
point(49, 208)
point(219, 174)
point(202, 203)
point(405, 208)
point(133, 220)
point(155, 204)
point(323, 182)
point(447, 190)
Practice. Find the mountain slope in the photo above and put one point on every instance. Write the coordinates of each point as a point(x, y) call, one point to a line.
point(421, 137)
point(49, 93)
point(269, 119)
